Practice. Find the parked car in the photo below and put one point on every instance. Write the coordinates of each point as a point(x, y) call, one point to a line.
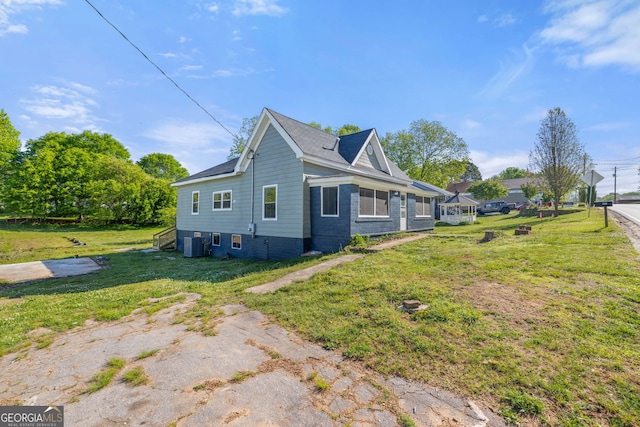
point(494, 207)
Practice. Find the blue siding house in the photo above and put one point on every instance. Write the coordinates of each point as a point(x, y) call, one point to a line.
point(296, 189)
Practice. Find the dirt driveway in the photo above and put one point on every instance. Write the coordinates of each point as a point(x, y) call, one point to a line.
point(252, 373)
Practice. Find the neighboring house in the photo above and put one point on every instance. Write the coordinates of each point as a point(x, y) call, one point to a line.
point(296, 189)
point(460, 187)
point(514, 186)
point(515, 194)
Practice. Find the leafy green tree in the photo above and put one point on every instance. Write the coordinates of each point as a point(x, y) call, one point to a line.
point(471, 173)
point(317, 125)
point(488, 190)
point(346, 129)
point(91, 142)
point(163, 166)
point(9, 139)
point(428, 152)
point(241, 139)
point(9, 153)
point(529, 190)
point(558, 157)
point(512, 173)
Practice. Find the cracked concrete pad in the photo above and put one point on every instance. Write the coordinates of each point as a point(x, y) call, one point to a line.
point(275, 398)
point(26, 271)
point(253, 372)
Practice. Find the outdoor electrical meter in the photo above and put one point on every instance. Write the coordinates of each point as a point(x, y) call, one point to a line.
point(252, 228)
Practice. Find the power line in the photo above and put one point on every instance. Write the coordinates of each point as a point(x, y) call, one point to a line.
point(160, 69)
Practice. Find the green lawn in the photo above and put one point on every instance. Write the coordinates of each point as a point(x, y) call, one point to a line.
point(545, 327)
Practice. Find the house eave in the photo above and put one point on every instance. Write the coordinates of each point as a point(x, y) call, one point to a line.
point(206, 179)
point(368, 182)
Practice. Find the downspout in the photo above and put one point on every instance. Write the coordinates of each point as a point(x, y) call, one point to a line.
point(252, 225)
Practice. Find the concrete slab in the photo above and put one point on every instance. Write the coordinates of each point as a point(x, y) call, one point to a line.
point(193, 379)
point(27, 271)
point(302, 274)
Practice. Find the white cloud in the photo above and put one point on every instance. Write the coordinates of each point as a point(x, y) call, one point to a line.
point(505, 19)
point(69, 102)
point(594, 32)
point(9, 8)
point(196, 145)
point(213, 7)
point(491, 164)
point(183, 39)
point(190, 135)
point(471, 124)
point(258, 7)
point(510, 70)
point(483, 18)
point(191, 67)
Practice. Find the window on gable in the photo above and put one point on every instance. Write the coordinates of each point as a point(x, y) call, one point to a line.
point(270, 202)
point(423, 206)
point(374, 202)
point(195, 202)
point(222, 200)
point(329, 201)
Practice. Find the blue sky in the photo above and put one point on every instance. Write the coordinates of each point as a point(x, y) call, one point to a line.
point(488, 70)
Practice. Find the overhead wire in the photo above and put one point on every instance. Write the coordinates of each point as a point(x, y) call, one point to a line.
point(160, 70)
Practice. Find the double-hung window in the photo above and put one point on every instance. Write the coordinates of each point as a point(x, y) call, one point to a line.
point(222, 200)
point(195, 202)
point(374, 202)
point(270, 202)
point(329, 201)
point(423, 206)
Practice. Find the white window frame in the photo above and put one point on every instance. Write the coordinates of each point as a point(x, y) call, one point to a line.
point(222, 200)
point(423, 214)
point(265, 187)
point(375, 201)
point(213, 237)
point(337, 214)
point(239, 236)
point(195, 204)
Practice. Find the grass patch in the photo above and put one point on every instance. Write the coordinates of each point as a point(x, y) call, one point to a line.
point(240, 376)
point(545, 326)
point(146, 353)
point(135, 376)
point(553, 315)
point(104, 377)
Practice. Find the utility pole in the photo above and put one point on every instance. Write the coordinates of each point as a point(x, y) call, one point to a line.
point(615, 179)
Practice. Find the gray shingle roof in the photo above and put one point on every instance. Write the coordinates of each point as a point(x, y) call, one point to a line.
point(313, 142)
point(350, 145)
point(460, 199)
point(221, 169)
point(430, 187)
point(342, 150)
